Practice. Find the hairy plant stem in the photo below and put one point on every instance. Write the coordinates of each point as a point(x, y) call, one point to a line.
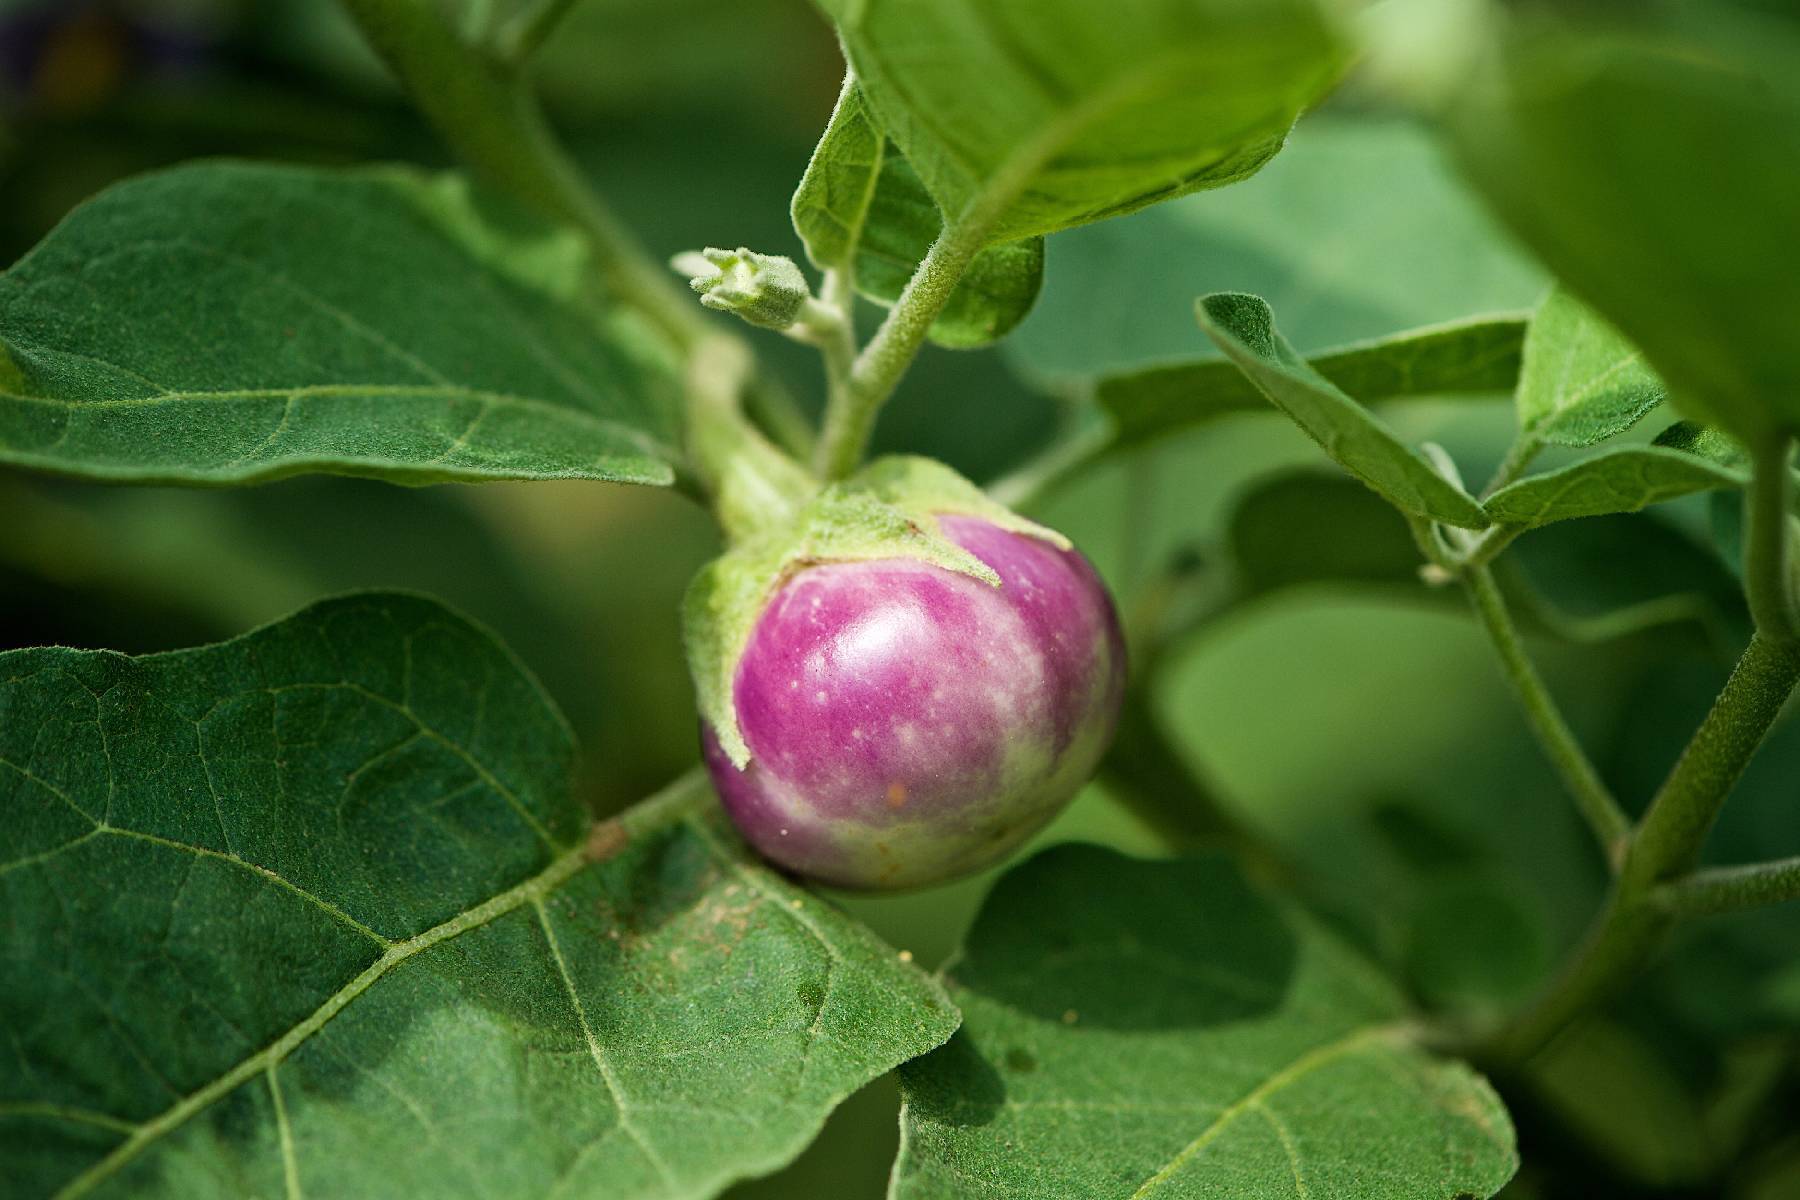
point(1633, 921)
point(872, 378)
point(753, 484)
point(1598, 808)
point(1524, 449)
point(1661, 853)
point(1768, 586)
point(1727, 889)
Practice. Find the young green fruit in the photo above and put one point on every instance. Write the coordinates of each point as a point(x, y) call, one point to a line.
point(907, 722)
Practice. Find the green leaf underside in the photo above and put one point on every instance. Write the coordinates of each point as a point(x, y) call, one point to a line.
point(228, 323)
point(1471, 357)
point(861, 205)
point(1622, 480)
point(1355, 231)
point(315, 912)
point(1243, 328)
point(1086, 111)
point(1580, 381)
point(1567, 129)
point(1159, 1029)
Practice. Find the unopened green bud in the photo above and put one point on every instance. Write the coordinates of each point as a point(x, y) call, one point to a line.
point(764, 289)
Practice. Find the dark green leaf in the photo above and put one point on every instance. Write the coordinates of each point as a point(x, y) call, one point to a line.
point(1622, 480)
point(1033, 117)
point(1357, 230)
point(861, 205)
point(1477, 355)
point(1305, 527)
point(1654, 166)
point(316, 909)
point(1704, 442)
point(1605, 1082)
point(227, 323)
point(1159, 1029)
point(1581, 382)
point(1244, 329)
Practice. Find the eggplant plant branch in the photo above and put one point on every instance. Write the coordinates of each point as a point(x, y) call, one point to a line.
point(1728, 889)
point(877, 370)
point(1661, 851)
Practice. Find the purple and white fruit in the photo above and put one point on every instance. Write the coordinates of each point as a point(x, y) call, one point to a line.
point(908, 723)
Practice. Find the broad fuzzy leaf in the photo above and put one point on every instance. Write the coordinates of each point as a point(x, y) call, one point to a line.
point(1581, 381)
point(1244, 329)
point(1463, 357)
point(316, 911)
point(1158, 1029)
point(860, 205)
point(229, 323)
point(1036, 115)
point(1622, 480)
point(1654, 165)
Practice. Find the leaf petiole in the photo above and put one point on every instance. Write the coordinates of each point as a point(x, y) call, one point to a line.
point(1593, 798)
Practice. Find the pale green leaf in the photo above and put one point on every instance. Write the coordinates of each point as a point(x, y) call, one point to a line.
point(1654, 163)
point(1357, 230)
point(861, 206)
point(1581, 382)
point(1474, 356)
point(1158, 1029)
point(1029, 116)
point(1244, 329)
point(316, 912)
point(228, 323)
point(1621, 480)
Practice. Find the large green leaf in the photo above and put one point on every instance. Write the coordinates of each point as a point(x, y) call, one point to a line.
point(1581, 382)
point(316, 909)
point(1477, 355)
point(1357, 230)
point(226, 323)
point(1160, 1029)
point(1655, 166)
point(1621, 480)
point(1029, 116)
point(861, 206)
point(1244, 329)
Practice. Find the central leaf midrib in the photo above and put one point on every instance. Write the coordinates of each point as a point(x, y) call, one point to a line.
point(1295, 1071)
point(611, 425)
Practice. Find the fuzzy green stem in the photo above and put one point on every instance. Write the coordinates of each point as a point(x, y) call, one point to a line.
point(1632, 924)
point(1524, 449)
point(1671, 834)
point(850, 416)
point(1767, 583)
point(1667, 843)
point(1728, 889)
point(753, 484)
point(486, 114)
point(1592, 797)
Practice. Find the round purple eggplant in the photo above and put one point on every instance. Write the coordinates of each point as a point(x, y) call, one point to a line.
point(909, 724)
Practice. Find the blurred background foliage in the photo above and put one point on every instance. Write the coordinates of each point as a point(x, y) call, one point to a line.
point(1302, 675)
